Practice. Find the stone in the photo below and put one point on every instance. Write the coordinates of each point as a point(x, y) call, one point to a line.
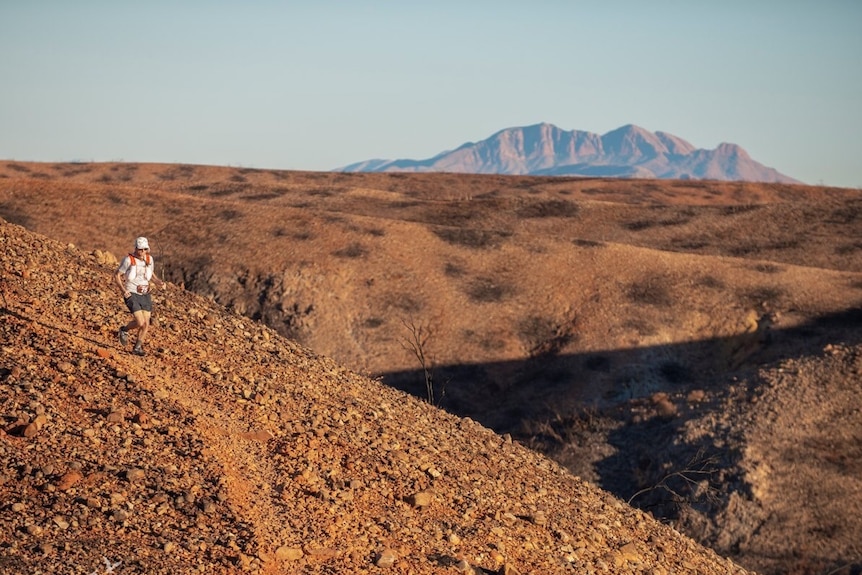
point(386, 558)
point(421, 499)
point(285, 553)
point(69, 479)
point(135, 474)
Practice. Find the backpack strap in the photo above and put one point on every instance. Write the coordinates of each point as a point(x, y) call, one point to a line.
point(132, 260)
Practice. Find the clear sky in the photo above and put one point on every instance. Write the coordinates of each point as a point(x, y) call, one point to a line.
point(319, 84)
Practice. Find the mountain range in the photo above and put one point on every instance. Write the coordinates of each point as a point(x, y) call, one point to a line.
point(627, 152)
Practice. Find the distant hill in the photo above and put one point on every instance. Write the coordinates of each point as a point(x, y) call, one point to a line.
point(627, 152)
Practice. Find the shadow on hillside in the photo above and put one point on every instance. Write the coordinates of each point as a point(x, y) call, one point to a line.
point(503, 395)
point(637, 401)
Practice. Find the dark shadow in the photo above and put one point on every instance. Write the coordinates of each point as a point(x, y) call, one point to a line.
point(502, 395)
point(637, 401)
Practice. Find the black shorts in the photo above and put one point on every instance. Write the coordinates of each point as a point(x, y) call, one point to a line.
point(138, 302)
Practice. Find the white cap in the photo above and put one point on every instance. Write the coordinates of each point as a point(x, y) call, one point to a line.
point(142, 244)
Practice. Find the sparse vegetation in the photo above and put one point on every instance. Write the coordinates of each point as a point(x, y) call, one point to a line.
point(230, 214)
point(488, 290)
point(471, 238)
point(737, 209)
point(767, 268)
point(587, 243)
point(352, 251)
point(548, 209)
point(650, 291)
point(763, 296)
point(453, 270)
point(417, 343)
point(542, 335)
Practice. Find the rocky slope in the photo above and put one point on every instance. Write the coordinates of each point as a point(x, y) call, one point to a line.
point(230, 449)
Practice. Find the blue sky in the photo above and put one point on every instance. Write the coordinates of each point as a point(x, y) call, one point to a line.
point(319, 85)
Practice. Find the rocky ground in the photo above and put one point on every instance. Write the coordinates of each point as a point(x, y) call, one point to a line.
point(230, 449)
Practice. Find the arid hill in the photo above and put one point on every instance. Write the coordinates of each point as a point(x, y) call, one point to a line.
point(660, 339)
point(229, 449)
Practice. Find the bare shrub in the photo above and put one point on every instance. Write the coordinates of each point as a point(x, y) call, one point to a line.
point(687, 485)
point(711, 282)
point(417, 343)
point(542, 335)
point(302, 235)
point(487, 290)
point(352, 251)
point(650, 291)
point(199, 187)
point(638, 225)
point(587, 243)
point(453, 270)
point(262, 196)
point(230, 214)
point(688, 244)
point(18, 168)
point(373, 322)
point(740, 209)
point(642, 327)
point(763, 295)
point(768, 268)
point(549, 209)
point(471, 238)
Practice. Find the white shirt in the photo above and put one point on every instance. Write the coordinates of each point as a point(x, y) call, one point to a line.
point(138, 274)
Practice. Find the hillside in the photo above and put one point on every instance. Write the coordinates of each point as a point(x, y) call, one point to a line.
point(230, 449)
point(689, 346)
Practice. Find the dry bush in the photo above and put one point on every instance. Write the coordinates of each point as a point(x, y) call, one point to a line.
point(352, 251)
point(407, 302)
point(548, 209)
point(453, 270)
point(711, 282)
point(766, 296)
point(587, 243)
point(740, 209)
point(18, 168)
point(542, 335)
point(488, 290)
point(471, 238)
point(768, 268)
point(262, 196)
point(301, 235)
point(230, 214)
point(650, 291)
point(447, 215)
point(373, 322)
point(688, 244)
point(641, 326)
